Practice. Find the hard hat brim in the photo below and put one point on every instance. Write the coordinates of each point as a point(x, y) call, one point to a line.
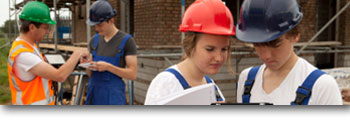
point(257, 36)
point(52, 22)
point(91, 23)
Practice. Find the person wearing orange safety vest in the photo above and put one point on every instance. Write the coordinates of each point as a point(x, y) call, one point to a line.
point(209, 29)
point(29, 74)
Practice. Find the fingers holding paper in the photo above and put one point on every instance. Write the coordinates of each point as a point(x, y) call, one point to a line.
point(100, 66)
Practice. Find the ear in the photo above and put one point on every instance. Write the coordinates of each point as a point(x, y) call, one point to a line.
point(296, 38)
point(32, 27)
point(111, 20)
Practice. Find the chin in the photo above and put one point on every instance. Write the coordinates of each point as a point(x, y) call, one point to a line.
point(211, 72)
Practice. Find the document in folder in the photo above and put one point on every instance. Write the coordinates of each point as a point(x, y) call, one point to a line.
point(198, 95)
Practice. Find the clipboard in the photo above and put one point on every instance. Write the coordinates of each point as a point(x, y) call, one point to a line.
point(198, 95)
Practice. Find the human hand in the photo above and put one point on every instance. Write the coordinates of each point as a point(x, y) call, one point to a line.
point(87, 59)
point(100, 66)
point(83, 53)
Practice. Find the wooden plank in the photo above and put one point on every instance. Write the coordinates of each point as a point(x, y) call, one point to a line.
point(141, 86)
point(81, 44)
point(151, 62)
point(320, 43)
point(222, 76)
point(145, 76)
point(60, 47)
point(149, 70)
point(227, 86)
point(167, 46)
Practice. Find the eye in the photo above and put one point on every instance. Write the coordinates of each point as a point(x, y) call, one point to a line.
point(224, 49)
point(209, 49)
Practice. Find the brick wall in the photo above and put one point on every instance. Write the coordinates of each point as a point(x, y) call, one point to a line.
point(116, 4)
point(345, 24)
point(156, 22)
point(308, 23)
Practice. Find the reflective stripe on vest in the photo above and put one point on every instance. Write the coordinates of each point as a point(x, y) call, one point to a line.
point(27, 92)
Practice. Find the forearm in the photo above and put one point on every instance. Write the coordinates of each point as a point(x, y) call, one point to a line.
point(66, 69)
point(127, 73)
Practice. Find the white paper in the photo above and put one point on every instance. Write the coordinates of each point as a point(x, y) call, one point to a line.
point(55, 59)
point(198, 95)
point(86, 65)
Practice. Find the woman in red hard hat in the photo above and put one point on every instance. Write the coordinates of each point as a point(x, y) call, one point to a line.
point(209, 29)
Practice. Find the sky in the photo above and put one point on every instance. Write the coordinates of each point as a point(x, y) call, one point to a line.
point(4, 11)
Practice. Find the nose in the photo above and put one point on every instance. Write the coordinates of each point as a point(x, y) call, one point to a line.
point(264, 53)
point(220, 56)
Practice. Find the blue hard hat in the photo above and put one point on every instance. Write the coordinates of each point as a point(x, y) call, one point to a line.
point(266, 20)
point(100, 11)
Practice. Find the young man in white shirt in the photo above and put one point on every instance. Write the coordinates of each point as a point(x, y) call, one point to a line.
point(284, 78)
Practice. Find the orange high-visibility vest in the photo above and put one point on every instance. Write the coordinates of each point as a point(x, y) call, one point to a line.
point(38, 91)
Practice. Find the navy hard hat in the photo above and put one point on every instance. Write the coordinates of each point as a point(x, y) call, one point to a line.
point(266, 20)
point(100, 11)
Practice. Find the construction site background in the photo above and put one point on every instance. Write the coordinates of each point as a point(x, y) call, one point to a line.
point(154, 25)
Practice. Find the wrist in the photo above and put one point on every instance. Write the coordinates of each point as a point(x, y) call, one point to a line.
point(79, 54)
point(109, 67)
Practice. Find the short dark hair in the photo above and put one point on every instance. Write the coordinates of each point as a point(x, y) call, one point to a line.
point(25, 25)
point(276, 43)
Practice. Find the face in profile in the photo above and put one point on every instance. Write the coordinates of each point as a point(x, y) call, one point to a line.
point(41, 31)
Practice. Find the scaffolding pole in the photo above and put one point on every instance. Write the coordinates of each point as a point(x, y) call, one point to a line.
point(323, 28)
point(56, 32)
point(15, 18)
point(9, 35)
point(88, 29)
point(183, 2)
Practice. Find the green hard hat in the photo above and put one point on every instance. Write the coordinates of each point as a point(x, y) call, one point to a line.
point(37, 12)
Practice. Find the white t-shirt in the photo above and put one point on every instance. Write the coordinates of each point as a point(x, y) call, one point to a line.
point(324, 92)
point(24, 62)
point(163, 84)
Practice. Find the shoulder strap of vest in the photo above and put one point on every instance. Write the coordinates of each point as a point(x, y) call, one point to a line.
point(208, 79)
point(304, 91)
point(122, 45)
point(95, 44)
point(248, 85)
point(219, 96)
point(179, 77)
point(18, 47)
point(125, 39)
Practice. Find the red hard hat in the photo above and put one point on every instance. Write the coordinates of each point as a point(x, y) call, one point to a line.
point(208, 16)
